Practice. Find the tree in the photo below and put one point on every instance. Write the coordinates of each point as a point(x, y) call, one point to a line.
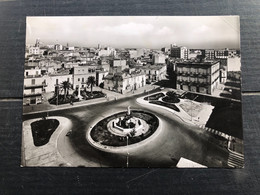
point(91, 81)
point(101, 85)
point(66, 86)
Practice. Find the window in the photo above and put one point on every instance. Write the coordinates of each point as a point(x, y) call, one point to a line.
point(78, 79)
point(68, 79)
point(82, 80)
point(26, 73)
point(57, 81)
point(33, 81)
point(33, 90)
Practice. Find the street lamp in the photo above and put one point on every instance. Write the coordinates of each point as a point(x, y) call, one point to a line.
point(127, 157)
point(57, 93)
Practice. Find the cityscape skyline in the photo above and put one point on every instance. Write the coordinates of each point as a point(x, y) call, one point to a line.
point(211, 32)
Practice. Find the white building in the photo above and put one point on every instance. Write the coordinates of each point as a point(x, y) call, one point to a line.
point(107, 52)
point(33, 86)
point(81, 74)
point(154, 73)
point(234, 64)
point(158, 59)
point(100, 75)
point(124, 82)
point(55, 79)
point(58, 47)
point(34, 50)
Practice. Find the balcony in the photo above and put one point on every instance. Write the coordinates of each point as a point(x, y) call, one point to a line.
point(32, 95)
point(35, 86)
point(32, 76)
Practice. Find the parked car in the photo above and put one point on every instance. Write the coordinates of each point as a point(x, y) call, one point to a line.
point(69, 133)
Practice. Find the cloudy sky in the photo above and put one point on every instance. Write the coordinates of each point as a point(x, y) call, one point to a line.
point(136, 31)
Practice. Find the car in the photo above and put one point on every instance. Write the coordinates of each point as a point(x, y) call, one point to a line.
point(161, 88)
point(69, 133)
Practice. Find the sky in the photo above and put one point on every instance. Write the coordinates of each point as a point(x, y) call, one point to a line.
point(155, 32)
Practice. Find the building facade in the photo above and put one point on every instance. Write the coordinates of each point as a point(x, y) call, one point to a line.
point(125, 81)
point(202, 77)
point(209, 54)
point(53, 80)
point(34, 51)
point(158, 59)
point(179, 52)
point(154, 73)
point(81, 74)
point(33, 86)
point(100, 75)
point(222, 53)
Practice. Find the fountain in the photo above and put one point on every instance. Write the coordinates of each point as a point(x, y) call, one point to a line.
point(115, 129)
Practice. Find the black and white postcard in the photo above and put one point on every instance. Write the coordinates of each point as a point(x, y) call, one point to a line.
point(132, 91)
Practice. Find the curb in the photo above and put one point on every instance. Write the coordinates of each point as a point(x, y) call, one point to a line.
point(123, 149)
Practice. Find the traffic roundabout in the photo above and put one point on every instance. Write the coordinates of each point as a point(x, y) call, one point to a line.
point(124, 130)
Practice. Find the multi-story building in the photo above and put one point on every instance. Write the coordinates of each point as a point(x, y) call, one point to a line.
point(100, 75)
point(123, 82)
point(209, 54)
point(119, 63)
point(166, 50)
point(202, 77)
point(81, 74)
point(55, 79)
point(58, 47)
point(221, 53)
point(179, 52)
point(223, 70)
point(107, 52)
point(33, 86)
point(34, 50)
point(133, 53)
point(158, 59)
point(232, 53)
point(154, 73)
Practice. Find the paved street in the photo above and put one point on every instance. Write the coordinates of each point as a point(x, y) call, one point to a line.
point(176, 140)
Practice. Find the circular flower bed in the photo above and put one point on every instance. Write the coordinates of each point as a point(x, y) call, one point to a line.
point(100, 133)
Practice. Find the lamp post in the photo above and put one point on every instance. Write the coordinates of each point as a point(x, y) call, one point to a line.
point(127, 157)
point(57, 93)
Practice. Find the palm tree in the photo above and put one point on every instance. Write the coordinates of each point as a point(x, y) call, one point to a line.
point(91, 81)
point(66, 86)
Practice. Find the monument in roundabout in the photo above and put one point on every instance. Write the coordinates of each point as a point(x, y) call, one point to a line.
point(122, 129)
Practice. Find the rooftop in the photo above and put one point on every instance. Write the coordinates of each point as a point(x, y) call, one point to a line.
point(197, 63)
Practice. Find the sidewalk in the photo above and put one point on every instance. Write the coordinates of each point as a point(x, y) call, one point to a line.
point(111, 96)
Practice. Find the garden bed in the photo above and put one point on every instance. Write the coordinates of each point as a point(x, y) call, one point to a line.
point(42, 130)
point(156, 96)
point(165, 104)
point(86, 95)
point(61, 100)
point(169, 99)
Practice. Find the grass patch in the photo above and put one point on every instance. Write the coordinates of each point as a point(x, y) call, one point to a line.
point(156, 96)
point(42, 130)
point(165, 104)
